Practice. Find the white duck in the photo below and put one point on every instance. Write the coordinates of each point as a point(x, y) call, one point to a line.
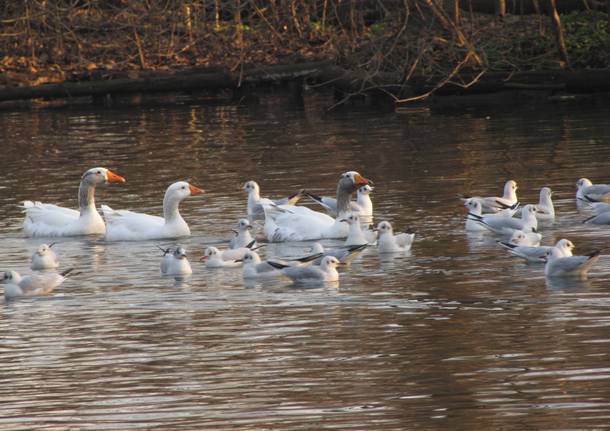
point(390, 243)
point(132, 226)
point(495, 203)
point(297, 223)
point(52, 220)
point(44, 258)
point(242, 237)
point(176, 264)
point(16, 285)
point(255, 202)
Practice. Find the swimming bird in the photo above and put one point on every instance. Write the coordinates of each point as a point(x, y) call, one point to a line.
point(363, 204)
point(344, 254)
point(494, 204)
point(175, 263)
point(242, 236)
point(133, 226)
point(52, 220)
point(558, 265)
point(255, 202)
point(537, 254)
point(388, 242)
point(475, 211)
point(255, 268)
point(508, 225)
point(216, 258)
point(325, 272)
point(545, 210)
point(16, 285)
point(589, 192)
point(356, 235)
point(44, 258)
point(298, 223)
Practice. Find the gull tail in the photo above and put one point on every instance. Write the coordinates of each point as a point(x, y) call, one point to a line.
point(276, 265)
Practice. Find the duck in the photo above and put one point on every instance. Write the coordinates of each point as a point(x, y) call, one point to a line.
point(388, 242)
point(16, 285)
point(124, 225)
point(49, 220)
point(299, 223)
point(255, 202)
point(44, 258)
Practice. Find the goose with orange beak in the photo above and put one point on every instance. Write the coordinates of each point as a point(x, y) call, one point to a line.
point(124, 225)
point(52, 220)
point(298, 223)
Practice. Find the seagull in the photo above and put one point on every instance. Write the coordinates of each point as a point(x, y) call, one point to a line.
point(537, 253)
point(390, 243)
point(344, 254)
point(16, 285)
point(476, 210)
point(44, 258)
point(528, 239)
point(508, 225)
point(363, 204)
point(495, 204)
point(589, 192)
point(175, 263)
point(215, 258)
point(545, 211)
point(599, 207)
point(243, 236)
point(325, 272)
point(356, 236)
point(569, 266)
point(254, 268)
point(255, 202)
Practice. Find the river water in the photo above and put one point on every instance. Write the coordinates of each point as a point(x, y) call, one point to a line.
point(455, 334)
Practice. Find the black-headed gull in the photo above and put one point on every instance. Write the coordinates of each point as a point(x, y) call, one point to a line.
point(356, 235)
point(242, 237)
point(133, 226)
point(175, 263)
point(216, 258)
point(16, 285)
point(537, 254)
point(255, 202)
point(44, 258)
point(388, 242)
point(558, 265)
point(508, 225)
point(589, 192)
point(475, 209)
point(345, 254)
point(325, 272)
point(52, 220)
point(545, 210)
point(494, 204)
point(255, 268)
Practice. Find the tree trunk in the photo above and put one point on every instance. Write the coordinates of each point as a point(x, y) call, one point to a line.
point(561, 44)
point(500, 8)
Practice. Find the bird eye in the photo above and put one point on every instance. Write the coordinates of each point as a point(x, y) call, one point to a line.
point(99, 172)
point(183, 187)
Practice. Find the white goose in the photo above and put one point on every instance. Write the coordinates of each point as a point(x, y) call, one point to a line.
point(124, 225)
point(52, 220)
point(297, 223)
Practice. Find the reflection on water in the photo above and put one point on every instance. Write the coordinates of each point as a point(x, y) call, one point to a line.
point(454, 334)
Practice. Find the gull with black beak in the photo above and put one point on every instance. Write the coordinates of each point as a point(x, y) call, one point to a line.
point(133, 226)
point(537, 254)
point(495, 204)
point(558, 265)
point(508, 225)
point(325, 272)
point(175, 263)
point(242, 237)
point(52, 220)
point(255, 267)
point(388, 242)
point(545, 210)
point(44, 258)
point(16, 285)
point(356, 235)
point(216, 258)
point(255, 202)
point(299, 223)
point(588, 192)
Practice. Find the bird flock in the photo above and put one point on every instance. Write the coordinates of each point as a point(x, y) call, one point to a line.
point(282, 220)
point(521, 235)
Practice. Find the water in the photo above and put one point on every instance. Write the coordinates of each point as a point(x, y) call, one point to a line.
point(454, 334)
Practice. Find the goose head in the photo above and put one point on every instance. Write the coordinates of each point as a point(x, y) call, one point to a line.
point(182, 190)
point(100, 176)
point(351, 180)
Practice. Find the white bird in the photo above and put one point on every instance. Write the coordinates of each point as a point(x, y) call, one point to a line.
point(355, 235)
point(475, 209)
point(175, 263)
point(44, 258)
point(298, 223)
point(508, 225)
point(254, 268)
point(388, 242)
point(255, 202)
point(589, 192)
point(537, 253)
point(495, 204)
point(242, 236)
point(363, 204)
point(519, 237)
point(216, 258)
point(325, 272)
point(52, 220)
point(558, 265)
point(599, 207)
point(601, 218)
point(344, 254)
point(545, 210)
point(16, 285)
point(133, 226)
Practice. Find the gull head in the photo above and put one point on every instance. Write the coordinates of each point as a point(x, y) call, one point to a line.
point(565, 244)
point(251, 257)
point(329, 262)
point(583, 182)
point(545, 192)
point(384, 227)
point(473, 206)
point(317, 248)
point(210, 253)
point(99, 176)
point(530, 209)
point(518, 238)
point(351, 219)
point(180, 253)
point(365, 190)
point(243, 225)
point(251, 186)
point(510, 186)
point(44, 249)
point(10, 277)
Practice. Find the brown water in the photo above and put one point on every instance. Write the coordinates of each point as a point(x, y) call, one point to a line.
point(453, 335)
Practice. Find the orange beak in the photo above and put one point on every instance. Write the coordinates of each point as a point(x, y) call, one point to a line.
point(360, 180)
point(195, 190)
point(111, 177)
